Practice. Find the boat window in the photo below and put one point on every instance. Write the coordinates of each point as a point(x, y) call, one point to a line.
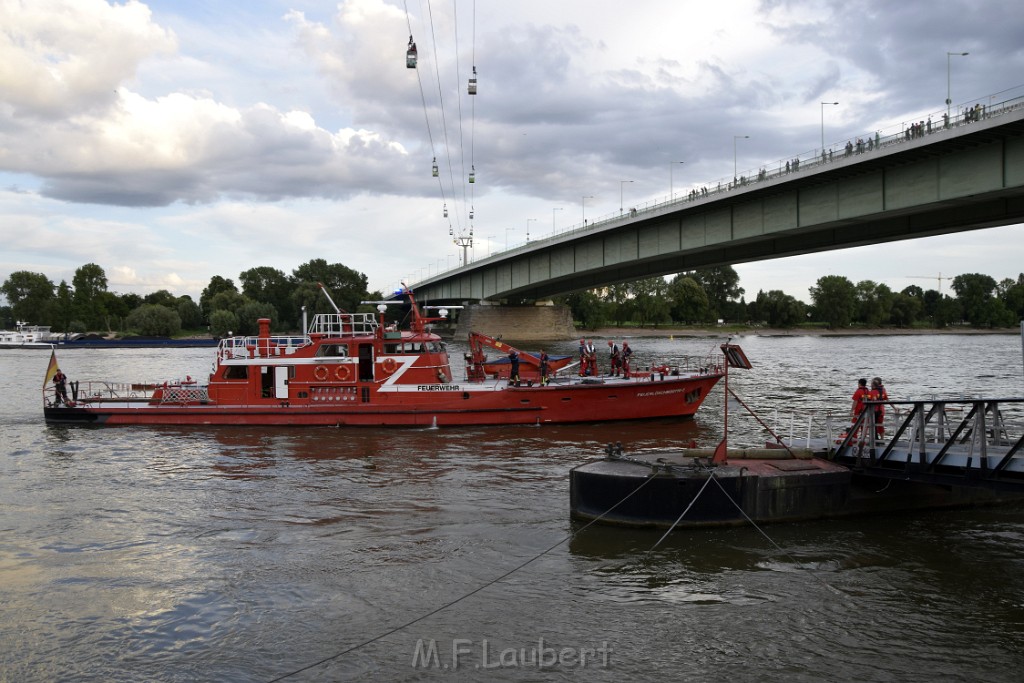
point(236, 372)
point(334, 350)
point(412, 347)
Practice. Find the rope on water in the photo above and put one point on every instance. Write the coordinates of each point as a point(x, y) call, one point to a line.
point(769, 539)
point(462, 597)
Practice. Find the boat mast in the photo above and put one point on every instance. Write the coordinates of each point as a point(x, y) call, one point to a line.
point(329, 299)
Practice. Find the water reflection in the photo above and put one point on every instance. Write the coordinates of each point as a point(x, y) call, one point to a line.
point(166, 554)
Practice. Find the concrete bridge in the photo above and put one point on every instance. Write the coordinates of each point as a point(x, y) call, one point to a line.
point(944, 178)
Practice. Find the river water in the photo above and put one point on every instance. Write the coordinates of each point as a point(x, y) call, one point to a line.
point(228, 554)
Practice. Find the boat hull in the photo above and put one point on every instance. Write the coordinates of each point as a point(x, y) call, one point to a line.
point(441, 405)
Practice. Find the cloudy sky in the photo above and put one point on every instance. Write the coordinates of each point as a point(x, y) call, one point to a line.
point(170, 141)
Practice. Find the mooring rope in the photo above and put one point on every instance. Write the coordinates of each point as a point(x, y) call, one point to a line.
point(464, 596)
point(770, 540)
point(711, 476)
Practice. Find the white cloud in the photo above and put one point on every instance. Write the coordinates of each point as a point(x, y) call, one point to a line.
point(170, 142)
point(58, 59)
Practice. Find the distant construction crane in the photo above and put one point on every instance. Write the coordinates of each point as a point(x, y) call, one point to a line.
point(930, 277)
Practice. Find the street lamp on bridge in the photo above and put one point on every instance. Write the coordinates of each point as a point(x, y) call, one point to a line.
point(671, 191)
point(553, 231)
point(734, 139)
point(621, 184)
point(949, 96)
point(823, 124)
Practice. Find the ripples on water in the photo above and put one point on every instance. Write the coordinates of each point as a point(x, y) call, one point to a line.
point(241, 555)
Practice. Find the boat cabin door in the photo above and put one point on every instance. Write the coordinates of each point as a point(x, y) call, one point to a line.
point(366, 362)
point(275, 379)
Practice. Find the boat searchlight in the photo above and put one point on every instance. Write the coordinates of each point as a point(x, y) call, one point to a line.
point(381, 308)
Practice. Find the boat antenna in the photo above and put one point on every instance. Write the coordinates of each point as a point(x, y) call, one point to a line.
point(328, 295)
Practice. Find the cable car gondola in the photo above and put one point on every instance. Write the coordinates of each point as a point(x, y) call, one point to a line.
point(472, 83)
point(434, 170)
point(472, 174)
point(410, 55)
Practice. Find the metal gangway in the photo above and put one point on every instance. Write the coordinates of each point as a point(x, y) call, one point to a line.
point(974, 442)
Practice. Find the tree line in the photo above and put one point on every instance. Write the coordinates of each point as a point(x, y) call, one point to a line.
point(697, 297)
point(86, 305)
point(709, 295)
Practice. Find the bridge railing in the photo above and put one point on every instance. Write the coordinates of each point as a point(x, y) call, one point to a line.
point(927, 124)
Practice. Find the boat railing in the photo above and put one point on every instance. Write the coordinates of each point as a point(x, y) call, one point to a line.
point(176, 391)
point(249, 347)
point(807, 429)
point(995, 422)
point(343, 324)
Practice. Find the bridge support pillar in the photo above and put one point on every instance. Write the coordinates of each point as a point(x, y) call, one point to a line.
point(533, 322)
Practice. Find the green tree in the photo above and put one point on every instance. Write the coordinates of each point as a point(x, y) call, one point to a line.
point(90, 283)
point(307, 295)
point(154, 320)
point(906, 309)
point(347, 287)
point(945, 310)
point(227, 300)
point(650, 297)
point(688, 300)
point(587, 308)
point(874, 303)
point(63, 308)
point(190, 313)
point(1011, 293)
point(619, 305)
point(249, 313)
point(722, 286)
point(117, 307)
point(270, 285)
point(779, 309)
point(161, 297)
point(31, 296)
point(976, 293)
point(835, 300)
point(217, 285)
point(223, 323)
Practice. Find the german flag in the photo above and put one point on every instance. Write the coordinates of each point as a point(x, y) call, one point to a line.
point(51, 369)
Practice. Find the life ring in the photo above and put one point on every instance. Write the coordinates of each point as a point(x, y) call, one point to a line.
point(320, 372)
point(388, 366)
point(341, 372)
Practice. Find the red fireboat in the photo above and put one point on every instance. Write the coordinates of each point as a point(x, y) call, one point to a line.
point(353, 369)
